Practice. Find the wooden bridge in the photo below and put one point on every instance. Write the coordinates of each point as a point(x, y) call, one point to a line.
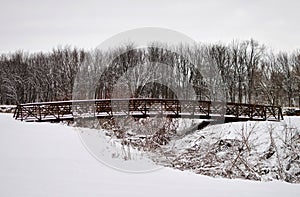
point(139, 108)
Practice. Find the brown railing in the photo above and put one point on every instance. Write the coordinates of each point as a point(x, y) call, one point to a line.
point(140, 107)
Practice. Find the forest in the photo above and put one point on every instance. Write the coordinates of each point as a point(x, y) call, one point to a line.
point(249, 72)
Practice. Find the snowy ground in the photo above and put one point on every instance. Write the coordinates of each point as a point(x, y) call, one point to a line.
point(44, 159)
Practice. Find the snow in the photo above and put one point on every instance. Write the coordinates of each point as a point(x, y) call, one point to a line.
point(213, 150)
point(44, 159)
point(7, 108)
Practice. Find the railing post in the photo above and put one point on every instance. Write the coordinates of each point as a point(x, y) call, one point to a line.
point(209, 107)
point(194, 103)
point(39, 111)
point(15, 112)
point(58, 112)
point(280, 116)
point(145, 107)
point(162, 107)
point(21, 109)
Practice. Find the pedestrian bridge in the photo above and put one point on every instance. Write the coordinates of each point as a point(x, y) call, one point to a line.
point(145, 107)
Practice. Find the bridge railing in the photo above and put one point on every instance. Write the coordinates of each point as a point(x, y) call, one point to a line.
point(141, 107)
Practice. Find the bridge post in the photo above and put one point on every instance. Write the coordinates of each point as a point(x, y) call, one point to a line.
point(145, 107)
point(265, 113)
point(251, 108)
point(177, 108)
point(40, 114)
point(280, 116)
point(209, 108)
point(194, 103)
point(16, 112)
point(21, 111)
point(162, 106)
point(58, 112)
point(237, 111)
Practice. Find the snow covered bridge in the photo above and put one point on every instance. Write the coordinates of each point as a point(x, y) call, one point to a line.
point(141, 107)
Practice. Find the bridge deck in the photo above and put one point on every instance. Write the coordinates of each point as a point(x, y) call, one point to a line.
point(105, 108)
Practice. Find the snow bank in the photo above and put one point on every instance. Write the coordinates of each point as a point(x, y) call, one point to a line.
point(247, 150)
point(43, 159)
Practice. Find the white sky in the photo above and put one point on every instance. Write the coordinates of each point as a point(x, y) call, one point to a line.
point(40, 25)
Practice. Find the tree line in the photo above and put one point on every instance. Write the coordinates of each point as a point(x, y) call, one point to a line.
point(246, 71)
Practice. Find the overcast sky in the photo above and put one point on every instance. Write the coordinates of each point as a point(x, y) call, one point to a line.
point(40, 25)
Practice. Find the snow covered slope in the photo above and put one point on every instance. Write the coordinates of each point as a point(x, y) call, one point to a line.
point(256, 150)
point(44, 159)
